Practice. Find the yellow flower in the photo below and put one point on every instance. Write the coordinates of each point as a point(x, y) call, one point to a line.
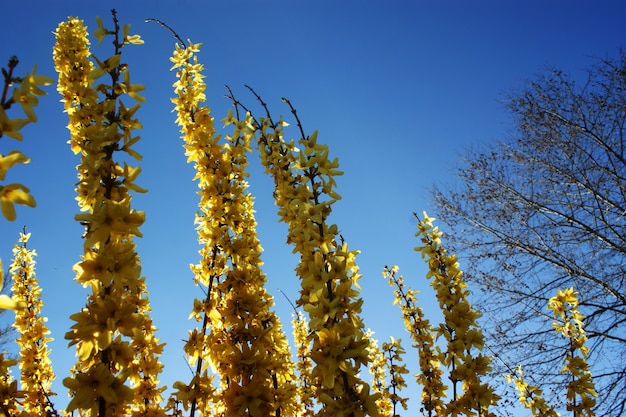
point(560, 302)
point(24, 96)
point(132, 89)
point(96, 382)
point(101, 32)
point(130, 174)
point(111, 217)
point(8, 303)
point(35, 81)
point(6, 162)
point(131, 39)
point(14, 194)
point(11, 127)
point(129, 123)
point(108, 65)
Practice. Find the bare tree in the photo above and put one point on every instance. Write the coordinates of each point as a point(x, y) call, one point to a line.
point(7, 332)
point(546, 209)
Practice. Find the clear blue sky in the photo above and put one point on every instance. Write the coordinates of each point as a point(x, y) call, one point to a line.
point(396, 88)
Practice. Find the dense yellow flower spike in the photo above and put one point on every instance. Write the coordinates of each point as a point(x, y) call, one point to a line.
point(34, 362)
point(460, 330)
point(26, 96)
point(117, 369)
point(240, 337)
point(581, 391)
point(304, 193)
point(303, 365)
point(423, 337)
point(378, 369)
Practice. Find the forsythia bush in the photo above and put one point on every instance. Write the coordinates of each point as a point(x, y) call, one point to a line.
point(239, 353)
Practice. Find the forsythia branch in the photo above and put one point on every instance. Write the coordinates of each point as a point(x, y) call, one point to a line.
point(581, 391)
point(241, 338)
point(117, 369)
point(35, 366)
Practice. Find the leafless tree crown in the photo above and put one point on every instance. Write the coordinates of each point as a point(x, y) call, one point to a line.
point(546, 209)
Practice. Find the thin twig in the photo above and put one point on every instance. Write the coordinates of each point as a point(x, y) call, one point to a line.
point(289, 300)
point(172, 31)
point(295, 114)
point(263, 104)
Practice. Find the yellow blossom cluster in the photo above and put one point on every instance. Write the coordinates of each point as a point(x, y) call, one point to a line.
point(581, 391)
point(460, 329)
point(34, 362)
point(531, 396)
point(303, 364)
point(26, 96)
point(423, 340)
point(378, 369)
point(240, 337)
point(117, 368)
point(304, 193)
point(393, 352)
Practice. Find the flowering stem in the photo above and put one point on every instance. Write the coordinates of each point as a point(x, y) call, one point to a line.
point(460, 328)
point(423, 338)
point(117, 367)
point(194, 402)
point(205, 324)
point(327, 269)
point(33, 359)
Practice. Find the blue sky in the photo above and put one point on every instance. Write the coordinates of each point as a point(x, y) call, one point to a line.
point(397, 89)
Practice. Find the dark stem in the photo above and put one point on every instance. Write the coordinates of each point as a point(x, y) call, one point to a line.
point(172, 31)
point(8, 80)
